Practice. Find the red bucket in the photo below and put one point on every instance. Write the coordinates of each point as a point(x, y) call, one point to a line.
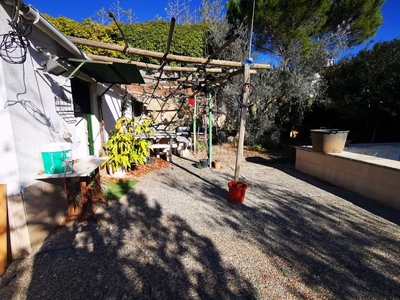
point(237, 190)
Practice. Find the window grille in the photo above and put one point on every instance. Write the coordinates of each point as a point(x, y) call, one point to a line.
point(66, 108)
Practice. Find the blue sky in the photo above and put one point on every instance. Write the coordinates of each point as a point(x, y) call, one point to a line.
point(81, 9)
point(147, 10)
point(390, 28)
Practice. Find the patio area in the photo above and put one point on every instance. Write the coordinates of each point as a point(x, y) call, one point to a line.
point(175, 236)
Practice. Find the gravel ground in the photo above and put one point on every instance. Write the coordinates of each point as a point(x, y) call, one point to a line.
point(175, 236)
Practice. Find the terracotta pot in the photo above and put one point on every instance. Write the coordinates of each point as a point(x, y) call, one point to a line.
point(217, 165)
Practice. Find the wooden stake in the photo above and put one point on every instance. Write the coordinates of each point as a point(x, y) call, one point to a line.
point(210, 117)
point(242, 128)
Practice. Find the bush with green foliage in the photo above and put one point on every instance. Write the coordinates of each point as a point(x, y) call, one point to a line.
point(200, 146)
point(365, 95)
point(188, 40)
point(123, 148)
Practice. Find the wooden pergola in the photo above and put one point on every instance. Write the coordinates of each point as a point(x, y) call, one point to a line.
point(208, 65)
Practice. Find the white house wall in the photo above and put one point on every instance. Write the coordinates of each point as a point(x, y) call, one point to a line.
point(111, 110)
point(27, 113)
point(8, 157)
point(95, 118)
point(28, 119)
point(111, 107)
point(31, 107)
point(28, 109)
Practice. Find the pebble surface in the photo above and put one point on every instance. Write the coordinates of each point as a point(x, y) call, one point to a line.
point(176, 236)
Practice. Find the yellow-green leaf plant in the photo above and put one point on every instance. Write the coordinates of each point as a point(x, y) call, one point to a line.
point(124, 148)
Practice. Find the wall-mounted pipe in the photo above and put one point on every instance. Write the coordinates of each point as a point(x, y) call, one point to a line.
point(30, 13)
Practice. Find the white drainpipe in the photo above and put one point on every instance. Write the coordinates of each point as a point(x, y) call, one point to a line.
point(32, 14)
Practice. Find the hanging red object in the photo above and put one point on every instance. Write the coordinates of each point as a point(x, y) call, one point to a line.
point(191, 101)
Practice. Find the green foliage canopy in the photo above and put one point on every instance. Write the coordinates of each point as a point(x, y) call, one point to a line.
point(188, 40)
point(88, 30)
point(370, 79)
point(365, 88)
point(279, 23)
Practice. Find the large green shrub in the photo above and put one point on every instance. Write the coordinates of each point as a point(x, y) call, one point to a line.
point(188, 40)
point(123, 148)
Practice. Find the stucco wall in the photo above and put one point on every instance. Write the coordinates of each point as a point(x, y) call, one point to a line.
point(28, 119)
point(8, 158)
point(111, 108)
point(30, 103)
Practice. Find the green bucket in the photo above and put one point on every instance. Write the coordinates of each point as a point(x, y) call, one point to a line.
point(57, 158)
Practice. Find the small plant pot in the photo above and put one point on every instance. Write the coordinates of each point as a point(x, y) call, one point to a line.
point(204, 163)
point(217, 165)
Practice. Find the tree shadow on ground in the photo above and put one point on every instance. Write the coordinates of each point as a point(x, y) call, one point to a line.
point(315, 237)
point(133, 252)
point(349, 254)
point(373, 206)
point(331, 243)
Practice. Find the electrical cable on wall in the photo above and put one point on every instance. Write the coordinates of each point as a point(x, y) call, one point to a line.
point(14, 45)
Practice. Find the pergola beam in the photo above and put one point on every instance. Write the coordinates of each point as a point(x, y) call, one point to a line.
point(166, 68)
point(161, 56)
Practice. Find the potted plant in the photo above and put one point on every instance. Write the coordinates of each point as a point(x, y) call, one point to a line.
point(217, 164)
point(204, 162)
point(123, 149)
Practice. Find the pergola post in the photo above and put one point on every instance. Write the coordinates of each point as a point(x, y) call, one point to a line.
point(195, 123)
point(210, 116)
point(243, 111)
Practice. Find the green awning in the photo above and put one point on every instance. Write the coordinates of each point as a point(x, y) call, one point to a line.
point(108, 72)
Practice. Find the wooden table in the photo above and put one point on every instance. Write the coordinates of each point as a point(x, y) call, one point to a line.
point(80, 202)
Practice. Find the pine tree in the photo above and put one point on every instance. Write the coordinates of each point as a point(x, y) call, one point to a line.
point(278, 24)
